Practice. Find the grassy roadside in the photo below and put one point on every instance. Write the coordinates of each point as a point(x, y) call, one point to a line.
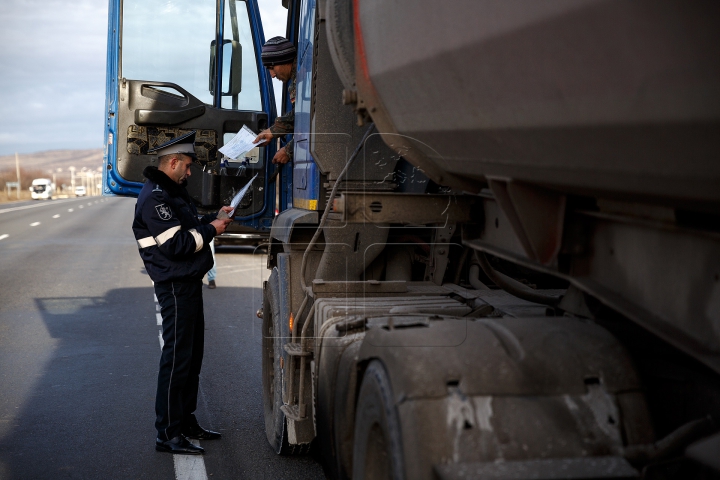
point(24, 195)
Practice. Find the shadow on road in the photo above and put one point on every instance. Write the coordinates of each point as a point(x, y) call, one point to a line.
point(91, 411)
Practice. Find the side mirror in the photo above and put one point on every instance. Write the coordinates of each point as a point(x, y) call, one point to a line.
point(232, 69)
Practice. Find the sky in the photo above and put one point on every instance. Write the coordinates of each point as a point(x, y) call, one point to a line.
point(52, 71)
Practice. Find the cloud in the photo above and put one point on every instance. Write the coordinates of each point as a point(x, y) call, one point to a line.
point(274, 17)
point(52, 79)
point(52, 71)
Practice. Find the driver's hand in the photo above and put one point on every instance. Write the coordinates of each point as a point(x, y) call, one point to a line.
point(264, 138)
point(281, 157)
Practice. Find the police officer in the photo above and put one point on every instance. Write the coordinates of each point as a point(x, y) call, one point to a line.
point(174, 245)
point(279, 57)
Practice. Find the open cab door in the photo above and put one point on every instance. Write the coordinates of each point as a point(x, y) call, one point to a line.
point(166, 77)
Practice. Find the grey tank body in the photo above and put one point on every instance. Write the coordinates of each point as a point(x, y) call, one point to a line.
point(613, 98)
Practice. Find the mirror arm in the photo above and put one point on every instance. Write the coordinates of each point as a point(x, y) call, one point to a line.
point(217, 74)
point(236, 70)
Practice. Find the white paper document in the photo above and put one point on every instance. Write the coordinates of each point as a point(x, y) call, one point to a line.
point(240, 195)
point(240, 144)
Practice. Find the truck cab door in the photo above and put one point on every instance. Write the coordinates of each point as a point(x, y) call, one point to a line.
point(167, 76)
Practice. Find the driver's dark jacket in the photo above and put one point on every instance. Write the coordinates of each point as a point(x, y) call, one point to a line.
point(174, 243)
point(285, 124)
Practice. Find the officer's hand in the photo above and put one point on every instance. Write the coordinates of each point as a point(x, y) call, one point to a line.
point(228, 209)
point(221, 225)
point(281, 157)
point(264, 137)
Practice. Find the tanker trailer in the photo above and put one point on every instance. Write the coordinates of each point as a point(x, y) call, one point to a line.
point(501, 258)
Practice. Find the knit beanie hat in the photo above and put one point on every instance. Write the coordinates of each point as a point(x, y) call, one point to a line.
point(277, 51)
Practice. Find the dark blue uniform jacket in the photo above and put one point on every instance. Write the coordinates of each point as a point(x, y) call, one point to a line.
point(174, 243)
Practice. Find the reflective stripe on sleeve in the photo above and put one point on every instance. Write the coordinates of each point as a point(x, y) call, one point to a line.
point(167, 235)
point(146, 242)
point(198, 239)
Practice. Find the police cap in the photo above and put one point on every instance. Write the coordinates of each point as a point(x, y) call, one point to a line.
point(184, 144)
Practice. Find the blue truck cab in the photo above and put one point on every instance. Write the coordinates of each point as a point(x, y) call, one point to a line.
point(166, 76)
point(306, 177)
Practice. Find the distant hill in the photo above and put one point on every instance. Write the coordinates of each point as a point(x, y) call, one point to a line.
point(54, 159)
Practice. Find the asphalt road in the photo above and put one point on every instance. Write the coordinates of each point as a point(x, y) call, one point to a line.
point(79, 351)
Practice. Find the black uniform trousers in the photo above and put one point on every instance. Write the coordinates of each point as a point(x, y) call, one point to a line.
point(183, 333)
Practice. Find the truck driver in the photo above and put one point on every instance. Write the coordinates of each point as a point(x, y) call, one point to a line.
point(279, 57)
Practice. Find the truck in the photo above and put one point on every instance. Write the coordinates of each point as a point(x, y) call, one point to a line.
point(42, 188)
point(497, 252)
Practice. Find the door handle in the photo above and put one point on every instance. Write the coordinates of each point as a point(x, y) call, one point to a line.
point(167, 117)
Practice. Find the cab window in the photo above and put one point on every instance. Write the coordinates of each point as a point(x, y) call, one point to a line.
point(173, 40)
point(237, 29)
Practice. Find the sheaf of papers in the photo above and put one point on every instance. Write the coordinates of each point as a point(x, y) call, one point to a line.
point(241, 143)
point(240, 195)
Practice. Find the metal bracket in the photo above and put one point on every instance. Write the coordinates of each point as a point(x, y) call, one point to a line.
point(405, 208)
point(435, 270)
point(293, 412)
point(322, 287)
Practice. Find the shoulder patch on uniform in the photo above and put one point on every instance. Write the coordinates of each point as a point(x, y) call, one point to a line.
point(163, 211)
point(157, 188)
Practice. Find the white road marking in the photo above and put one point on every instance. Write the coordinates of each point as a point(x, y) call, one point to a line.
point(35, 224)
point(42, 204)
point(190, 467)
point(70, 210)
point(81, 206)
point(3, 237)
point(56, 216)
point(158, 317)
point(90, 204)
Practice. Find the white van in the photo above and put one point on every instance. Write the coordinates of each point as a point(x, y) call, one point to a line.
point(42, 188)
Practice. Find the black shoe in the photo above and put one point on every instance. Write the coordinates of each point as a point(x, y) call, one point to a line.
point(211, 284)
point(178, 445)
point(199, 433)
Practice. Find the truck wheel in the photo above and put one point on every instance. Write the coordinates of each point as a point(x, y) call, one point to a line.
point(271, 373)
point(275, 426)
point(377, 445)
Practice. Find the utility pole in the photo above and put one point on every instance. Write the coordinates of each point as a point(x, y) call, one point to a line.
point(17, 169)
point(72, 179)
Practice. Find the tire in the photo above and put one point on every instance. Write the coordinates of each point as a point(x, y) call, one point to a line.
point(377, 444)
point(275, 424)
